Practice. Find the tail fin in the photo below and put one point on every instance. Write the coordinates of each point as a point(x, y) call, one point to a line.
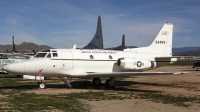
point(14, 50)
point(121, 47)
point(97, 41)
point(123, 42)
point(33, 51)
point(162, 44)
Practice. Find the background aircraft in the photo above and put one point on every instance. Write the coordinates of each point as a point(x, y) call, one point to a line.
point(97, 41)
point(197, 64)
point(13, 56)
point(8, 58)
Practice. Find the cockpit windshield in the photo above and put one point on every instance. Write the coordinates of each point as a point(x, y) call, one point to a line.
point(44, 54)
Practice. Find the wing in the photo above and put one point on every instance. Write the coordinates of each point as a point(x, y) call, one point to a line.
point(125, 74)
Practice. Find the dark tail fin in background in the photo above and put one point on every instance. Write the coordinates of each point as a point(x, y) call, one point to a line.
point(121, 47)
point(33, 51)
point(13, 40)
point(123, 42)
point(97, 41)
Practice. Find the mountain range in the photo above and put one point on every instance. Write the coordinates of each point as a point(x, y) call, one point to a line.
point(25, 47)
point(186, 51)
point(29, 46)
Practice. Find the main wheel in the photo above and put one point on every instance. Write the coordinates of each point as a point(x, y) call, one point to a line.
point(107, 83)
point(97, 81)
point(42, 85)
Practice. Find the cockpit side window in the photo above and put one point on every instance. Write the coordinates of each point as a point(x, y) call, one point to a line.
point(40, 55)
point(48, 55)
point(55, 55)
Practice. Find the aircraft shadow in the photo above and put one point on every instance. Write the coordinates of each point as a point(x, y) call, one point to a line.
point(119, 86)
point(191, 70)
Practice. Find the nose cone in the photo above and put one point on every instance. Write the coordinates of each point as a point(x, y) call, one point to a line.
point(6, 68)
point(15, 68)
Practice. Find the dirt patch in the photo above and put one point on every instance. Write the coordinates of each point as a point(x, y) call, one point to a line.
point(183, 84)
point(2, 96)
point(137, 105)
point(60, 91)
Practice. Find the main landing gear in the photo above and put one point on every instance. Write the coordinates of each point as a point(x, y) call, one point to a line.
point(96, 81)
point(109, 83)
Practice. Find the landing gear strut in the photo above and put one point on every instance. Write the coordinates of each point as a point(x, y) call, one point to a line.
point(41, 84)
point(110, 82)
point(66, 81)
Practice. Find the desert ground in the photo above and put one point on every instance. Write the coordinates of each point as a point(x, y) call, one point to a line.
point(175, 86)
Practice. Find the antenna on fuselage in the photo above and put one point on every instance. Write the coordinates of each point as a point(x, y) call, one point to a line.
point(74, 46)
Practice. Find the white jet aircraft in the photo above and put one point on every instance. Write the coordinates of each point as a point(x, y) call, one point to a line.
point(82, 63)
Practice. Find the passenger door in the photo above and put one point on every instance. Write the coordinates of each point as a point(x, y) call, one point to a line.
point(67, 61)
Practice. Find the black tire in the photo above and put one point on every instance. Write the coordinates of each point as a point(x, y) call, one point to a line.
point(107, 83)
point(97, 81)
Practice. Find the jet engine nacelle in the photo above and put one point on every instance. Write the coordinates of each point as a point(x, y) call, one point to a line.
point(134, 64)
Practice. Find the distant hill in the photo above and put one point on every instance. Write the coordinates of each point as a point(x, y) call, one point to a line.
point(186, 51)
point(24, 47)
point(27, 47)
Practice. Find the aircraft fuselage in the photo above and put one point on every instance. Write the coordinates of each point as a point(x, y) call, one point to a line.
point(76, 62)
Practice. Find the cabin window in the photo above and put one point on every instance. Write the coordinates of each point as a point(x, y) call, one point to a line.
point(110, 57)
point(91, 57)
point(49, 55)
point(55, 55)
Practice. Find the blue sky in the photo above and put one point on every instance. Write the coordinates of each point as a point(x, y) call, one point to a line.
point(60, 23)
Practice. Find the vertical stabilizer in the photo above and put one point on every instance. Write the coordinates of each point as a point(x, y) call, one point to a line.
point(121, 47)
point(162, 44)
point(97, 41)
point(123, 42)
point(13, 40)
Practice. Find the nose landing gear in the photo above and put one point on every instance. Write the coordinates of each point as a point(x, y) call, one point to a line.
point(41, 84)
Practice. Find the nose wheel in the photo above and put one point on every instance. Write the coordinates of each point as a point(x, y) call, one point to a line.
point(42, 86)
